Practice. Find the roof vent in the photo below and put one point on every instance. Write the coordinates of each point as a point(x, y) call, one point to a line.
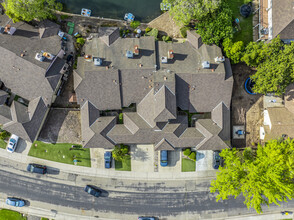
point(170, 54)
point(97, 61)
point(87, 57)
point(136, 50)
point(129, 54)
point(219, 59)
point(205, 65)
point(163, 59)
point(40, 57)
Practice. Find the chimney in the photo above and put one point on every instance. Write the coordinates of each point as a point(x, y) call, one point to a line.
point(205, 65)
point(170, 54)
point(97, 61)
point(163, 59)
point(129, 54)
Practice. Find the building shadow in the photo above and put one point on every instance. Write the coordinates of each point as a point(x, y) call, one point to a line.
point(21, 146)
point(199, 156)
point(52, 125)
point(25, 33)
point(174, 157)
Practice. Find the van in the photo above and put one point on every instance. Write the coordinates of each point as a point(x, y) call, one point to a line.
point(36, 168)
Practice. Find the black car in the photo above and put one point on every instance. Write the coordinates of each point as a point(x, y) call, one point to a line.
point(92, 191)
point(36, 168)
point(216, 159)
point(69, 58)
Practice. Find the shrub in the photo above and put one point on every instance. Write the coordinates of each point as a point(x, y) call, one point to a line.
point(63, 17)
point(135, 24)
point(183, 31)
point(81, 41)
point(120, 152)
point(153, 32)
point(192, 156)
point(124, 148)
point(166, 38)
point(120, 118)
point(187, 152)
point(4, 134)
point(148, 29)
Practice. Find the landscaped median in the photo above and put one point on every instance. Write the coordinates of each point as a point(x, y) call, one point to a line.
point(61, 152)
point(6, 214)
point(188, 160)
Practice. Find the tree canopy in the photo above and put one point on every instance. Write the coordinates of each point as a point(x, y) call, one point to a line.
point(262, 177)
point(234, 51)
point(27, 10)
point(216, 26)
point(185, 10)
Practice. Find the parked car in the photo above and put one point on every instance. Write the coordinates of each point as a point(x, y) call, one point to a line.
point(216, 159)
point(163, 158)
point(15, 202)
point(107, 159)
point(92, 191)
point(12, 143)
point(146, 218)
point(36, 168)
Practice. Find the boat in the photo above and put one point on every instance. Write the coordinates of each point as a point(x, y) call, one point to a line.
point(129, 17)
point(86, 12)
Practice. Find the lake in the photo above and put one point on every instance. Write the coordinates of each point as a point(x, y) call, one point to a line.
point(144, 10)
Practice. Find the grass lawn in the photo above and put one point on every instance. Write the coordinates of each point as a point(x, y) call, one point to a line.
point(61, 153)
point(3, 144)
point(6, 214)
point(246, 33)
point(188, 165)
point(124, 165)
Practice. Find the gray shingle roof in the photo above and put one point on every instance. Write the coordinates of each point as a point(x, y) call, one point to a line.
point(163, 145)
point(109, 34)
point(182, 82)
point(282, 16)
point(48, 28)
point(26, 121)
point(3, 97)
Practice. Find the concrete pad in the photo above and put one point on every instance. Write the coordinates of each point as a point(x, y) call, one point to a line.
point(97, 157)
point(62, 126)
point(270, 101)
point(174, 162)
point(235, 129)
point(142, 158)
point(23, 147)
point(204, 160)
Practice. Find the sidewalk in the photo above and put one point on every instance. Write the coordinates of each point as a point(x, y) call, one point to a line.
point(108, 173)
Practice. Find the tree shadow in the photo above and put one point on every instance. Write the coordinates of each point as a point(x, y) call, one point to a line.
point(199, 156)
point(139, 154)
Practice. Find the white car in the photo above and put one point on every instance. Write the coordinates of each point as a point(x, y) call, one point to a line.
point(12, 143)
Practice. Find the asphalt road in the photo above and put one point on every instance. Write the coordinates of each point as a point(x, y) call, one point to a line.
point(140, 198)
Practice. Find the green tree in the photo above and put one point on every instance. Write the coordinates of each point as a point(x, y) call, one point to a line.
point(135, 24)
point(258, 52)
point(276, 72)
point(120, 152)
point(262, 177)
point(24, 10)
point(185, 10)
point(234, 51)
point(187, 152)
point(216, 26)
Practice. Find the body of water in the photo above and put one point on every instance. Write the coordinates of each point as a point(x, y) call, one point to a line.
point(144, 10)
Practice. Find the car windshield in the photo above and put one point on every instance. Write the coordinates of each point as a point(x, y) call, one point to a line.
point(12, 141)
point(89, 190)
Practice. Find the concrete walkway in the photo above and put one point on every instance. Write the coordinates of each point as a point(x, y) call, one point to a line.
point(99, 171)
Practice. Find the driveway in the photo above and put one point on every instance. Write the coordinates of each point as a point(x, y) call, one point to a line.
point(62, 126)
point(174, 162)
point(142, 158)
point(204, 160)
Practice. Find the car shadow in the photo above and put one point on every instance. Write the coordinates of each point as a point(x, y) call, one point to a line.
point(27, 203)
point(53, 171)
point(104, 193)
